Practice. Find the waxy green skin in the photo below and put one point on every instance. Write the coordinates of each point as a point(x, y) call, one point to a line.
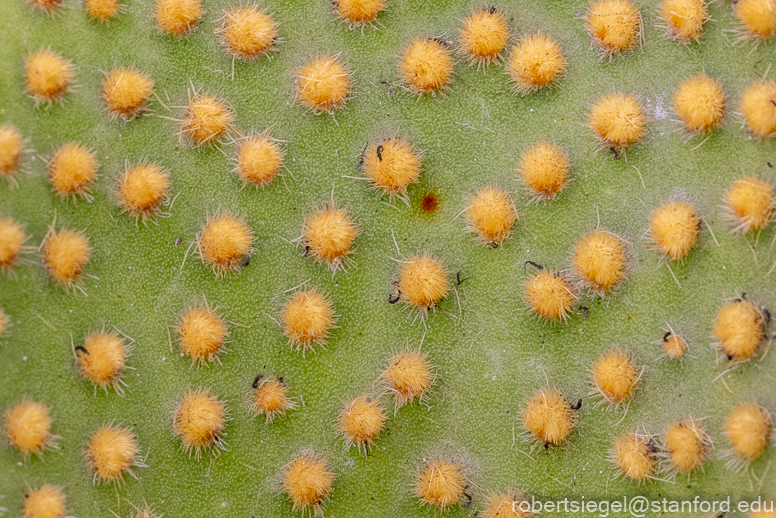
point(489, 352)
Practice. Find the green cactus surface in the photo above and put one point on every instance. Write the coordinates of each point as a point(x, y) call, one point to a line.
point(489, 352)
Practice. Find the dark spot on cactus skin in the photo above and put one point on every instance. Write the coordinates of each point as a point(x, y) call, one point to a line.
point(535, 265)
point(430, 203)
point(458, 278)
point(82, 349)
point(379, 152)
point(393, 300)
point(306, 251)
point(256, 381)
point(585, 311)
point(468, 498)
point(616, 152)
point(177, 241)
point(247, 261)
point(577, 406)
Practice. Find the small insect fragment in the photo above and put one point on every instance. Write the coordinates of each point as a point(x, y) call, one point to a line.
point(441, 484)
point(361, 421)
point(199, 422)
point(111, 452)
point(483, 36)
point(634, 455)
point(618, 120)
point(674, 227)
point(126, 92)
point(323, 84)
point(700, 103)
point(27, 427)
point(614, 25)
point(491, 214)
point(535, 62)
point(549, 295)
point(426, 66)
point(615, 376)
point(758, 106)
point(423, 282)
point(549, 417)
point(684, 18)
point(45, 502)
point(72, 170)
point(270, 397)
point(308, 317)
point(599, 261)
point(102, 359)
point(178, 17)
point(750, 204)
point(544, 169)
point(48, 76)
point(248, 32)
point(308, 480)
point(740, 328)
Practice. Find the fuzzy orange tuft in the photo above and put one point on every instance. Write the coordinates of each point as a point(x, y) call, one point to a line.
point(28, 427)
point(330, 232)
point(202, 333)
point(102, 9)
point(143, 189)
point(684, 18)
point(674, 345)
point(491, 215)
point(599, 260)
point(549, 295)
point(700, 103)
point(258, 160)
point(323, 84)
point(47, 6)
point(758, 105)
point(441, 484)
point(5, 322)
point(614, 376)
point(750, 204)
point(674, 226)
point(408, 376)
point(634, 455)
point(740, 327)
point(126, 91)
point(11, 148)
point(544, 169)
point(308, 480)
point(549, 418)
point(508, 505)
point(45, 502)
point(223, 242)
point(484, 35)
point(102, 359)
point(199, 421)
point(65, 253)
point(392, 165)
point(757, 17)
point(358, 12)
point(308, 316)
point(688, 445)
point(426, 66)
point(47, 76)
point(423, 282)
point(614, 25)
point(207, 118)
point(270, 397)
point(618, 120)
point(535, 62)
point(72, 170)
point(12, 239)
point(361, 421)
point(111, 452)
point(177, 17)
point(749, 428)
point(247, 32)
